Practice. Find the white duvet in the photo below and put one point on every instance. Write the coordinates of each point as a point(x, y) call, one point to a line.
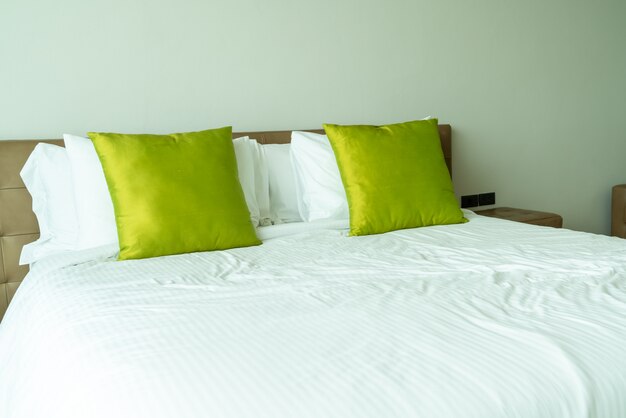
point(485, 319)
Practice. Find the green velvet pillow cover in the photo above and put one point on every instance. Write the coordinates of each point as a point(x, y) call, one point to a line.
point(395, 176)
point(176, 193)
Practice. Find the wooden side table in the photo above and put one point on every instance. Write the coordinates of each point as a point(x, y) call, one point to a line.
point(526, 216)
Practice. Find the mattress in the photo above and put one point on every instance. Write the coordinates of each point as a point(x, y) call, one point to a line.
point(485, 319)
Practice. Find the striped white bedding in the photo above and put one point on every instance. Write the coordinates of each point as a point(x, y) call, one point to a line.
point(486, 319)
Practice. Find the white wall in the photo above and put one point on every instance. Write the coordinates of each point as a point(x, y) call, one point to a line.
point(535, 90)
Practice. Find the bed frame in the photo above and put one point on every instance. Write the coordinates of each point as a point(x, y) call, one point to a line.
point(18, 225)
point(618, 211)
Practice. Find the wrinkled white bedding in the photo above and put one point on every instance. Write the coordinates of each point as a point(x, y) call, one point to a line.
point(486, 319)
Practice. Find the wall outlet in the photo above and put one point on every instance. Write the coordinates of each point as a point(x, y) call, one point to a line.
point(469, 201)
point(474, 200)
point(487, 199)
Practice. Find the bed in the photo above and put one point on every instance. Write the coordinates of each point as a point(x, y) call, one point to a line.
point(490, 318)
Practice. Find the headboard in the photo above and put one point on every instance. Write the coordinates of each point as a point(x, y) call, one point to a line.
point(18, 225)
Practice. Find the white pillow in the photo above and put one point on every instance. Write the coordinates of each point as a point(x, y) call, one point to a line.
point(48, 178)
point(94, 208)
point(282, 185)
point(261, 182)
point(320, 191)
point(246, 160)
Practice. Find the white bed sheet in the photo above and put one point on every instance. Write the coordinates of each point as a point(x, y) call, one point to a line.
point(485, 319)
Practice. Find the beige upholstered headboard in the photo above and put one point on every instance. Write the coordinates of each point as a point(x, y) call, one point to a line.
point(18, 225)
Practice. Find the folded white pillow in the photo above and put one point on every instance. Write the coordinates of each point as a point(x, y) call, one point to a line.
point(94, 207)
point(319, 189)
point(47, 177)
point(282, 184)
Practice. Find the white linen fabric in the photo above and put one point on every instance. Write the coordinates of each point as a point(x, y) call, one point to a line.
point(319, 187)
point(246, 161)
point(293, 228)
point(94, 207)
point(261, 181)
point(47, 176)
point(485, 319)
point(282, 184)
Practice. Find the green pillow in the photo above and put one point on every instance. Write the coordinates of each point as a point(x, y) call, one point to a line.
point(395, 176)
point(176, 193)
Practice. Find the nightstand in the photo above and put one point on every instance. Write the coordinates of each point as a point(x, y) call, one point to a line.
point(526, 216)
